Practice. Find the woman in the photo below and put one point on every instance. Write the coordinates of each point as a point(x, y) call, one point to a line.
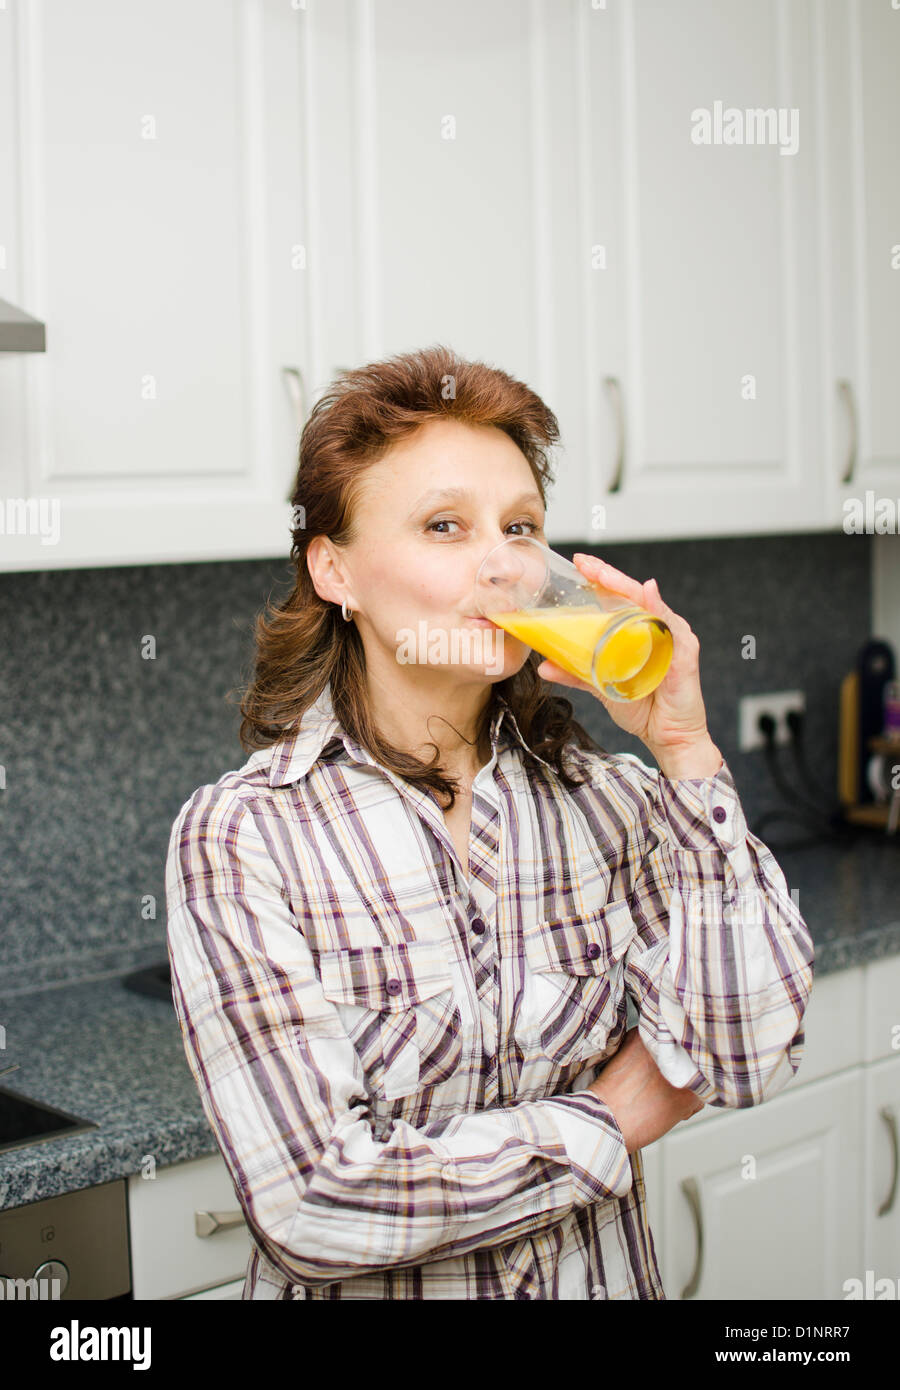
point(399, 975)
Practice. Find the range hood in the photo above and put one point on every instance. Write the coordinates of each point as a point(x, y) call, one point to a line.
point(19, 332)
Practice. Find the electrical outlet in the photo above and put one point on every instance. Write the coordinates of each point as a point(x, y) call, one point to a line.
point(750, 707)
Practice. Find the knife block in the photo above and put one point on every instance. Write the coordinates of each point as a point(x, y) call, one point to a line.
point(857, 812)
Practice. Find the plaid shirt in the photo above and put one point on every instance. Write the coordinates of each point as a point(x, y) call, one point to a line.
point(392, 1057)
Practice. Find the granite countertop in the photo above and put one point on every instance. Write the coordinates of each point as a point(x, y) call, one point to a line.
point(102, 1053)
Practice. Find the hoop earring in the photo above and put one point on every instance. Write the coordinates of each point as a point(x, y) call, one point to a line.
point(348, 617)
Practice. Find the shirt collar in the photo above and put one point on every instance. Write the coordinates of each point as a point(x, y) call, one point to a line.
point(294, 755)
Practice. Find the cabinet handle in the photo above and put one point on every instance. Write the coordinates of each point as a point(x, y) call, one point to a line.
point(890, 1120)
point(846, 390)
point(297, 388)
point(614, 391)
point(691, 1192)
point(207, 1223)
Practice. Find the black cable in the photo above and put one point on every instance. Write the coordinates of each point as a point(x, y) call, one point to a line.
point(795, 722)
point(834, 833)
point(827, 827)
point(767, 728)
point(758, 830)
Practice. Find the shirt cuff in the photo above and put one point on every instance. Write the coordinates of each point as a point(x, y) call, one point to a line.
point(703, 812)
point(601, 1164)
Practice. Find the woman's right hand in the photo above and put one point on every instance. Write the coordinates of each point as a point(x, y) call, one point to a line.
point(644, 1105)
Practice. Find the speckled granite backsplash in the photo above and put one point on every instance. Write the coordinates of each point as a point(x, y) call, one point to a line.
point(101, 748)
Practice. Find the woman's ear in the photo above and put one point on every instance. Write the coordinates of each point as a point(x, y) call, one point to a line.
point(324, 572)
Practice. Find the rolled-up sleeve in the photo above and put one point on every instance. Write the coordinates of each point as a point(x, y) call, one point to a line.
point(721, 966)
point(282, 1088)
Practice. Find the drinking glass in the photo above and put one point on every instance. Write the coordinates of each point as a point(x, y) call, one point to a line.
point(601, 637)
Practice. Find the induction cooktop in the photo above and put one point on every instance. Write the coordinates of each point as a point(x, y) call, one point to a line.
point(24, 1121)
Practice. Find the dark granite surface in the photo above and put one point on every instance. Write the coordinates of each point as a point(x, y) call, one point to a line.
point(102, 747)
point(98, 1051)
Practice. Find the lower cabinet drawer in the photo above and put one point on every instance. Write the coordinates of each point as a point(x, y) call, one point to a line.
point(232, 1291)
point(169, 1259)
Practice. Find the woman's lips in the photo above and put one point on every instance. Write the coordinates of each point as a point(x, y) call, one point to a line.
point(482, 622)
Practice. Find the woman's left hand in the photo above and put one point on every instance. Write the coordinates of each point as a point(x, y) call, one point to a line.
point(673, 716)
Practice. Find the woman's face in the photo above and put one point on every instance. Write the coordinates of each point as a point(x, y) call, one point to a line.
point(417, 552)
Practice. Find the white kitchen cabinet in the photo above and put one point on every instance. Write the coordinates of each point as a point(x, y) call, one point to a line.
point(697, 353)
point(764, 1203)
point(809, 1216)
point(356, 181)
point(232, 1292)
point(169, 1258)
point(518, 181)
point(858, 109)
point(464, 123)
point(881, 1179)
point(652, 1161)
point(162, 185)
point(660, 295)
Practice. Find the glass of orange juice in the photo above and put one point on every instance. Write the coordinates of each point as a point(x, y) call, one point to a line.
point(601, 637)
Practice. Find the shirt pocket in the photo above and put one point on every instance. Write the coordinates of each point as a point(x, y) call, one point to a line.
point(573, 982)
point(398, 1007)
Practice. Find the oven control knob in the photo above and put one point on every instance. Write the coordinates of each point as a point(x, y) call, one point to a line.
point(53, 1269)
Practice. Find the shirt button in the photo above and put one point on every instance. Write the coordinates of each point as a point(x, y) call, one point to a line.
point(477, 925)
point(719, 813)
point(593, 951)
point(394, 986)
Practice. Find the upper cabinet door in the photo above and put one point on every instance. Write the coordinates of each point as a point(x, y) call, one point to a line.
point(467, 176)
point(698, 220)
point(860, 113)
point(161, 173)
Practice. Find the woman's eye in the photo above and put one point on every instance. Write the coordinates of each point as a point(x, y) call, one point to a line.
point(446, 521)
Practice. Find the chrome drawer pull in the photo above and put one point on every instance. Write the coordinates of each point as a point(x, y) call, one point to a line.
point(206, 1223)
point(614, 390)
point(846, 390)
point(890, 1120)
point(692, 1193)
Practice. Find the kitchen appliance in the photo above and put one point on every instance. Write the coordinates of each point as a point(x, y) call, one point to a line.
point(67, 1247)
point(24, 1121)
point(74, 1246)
point(154, 981)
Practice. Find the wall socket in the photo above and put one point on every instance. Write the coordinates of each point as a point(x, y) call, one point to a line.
point(750, 707)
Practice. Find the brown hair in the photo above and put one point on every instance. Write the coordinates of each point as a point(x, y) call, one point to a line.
point(304, 642)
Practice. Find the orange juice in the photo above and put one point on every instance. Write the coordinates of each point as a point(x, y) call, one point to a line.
point(630, 664)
